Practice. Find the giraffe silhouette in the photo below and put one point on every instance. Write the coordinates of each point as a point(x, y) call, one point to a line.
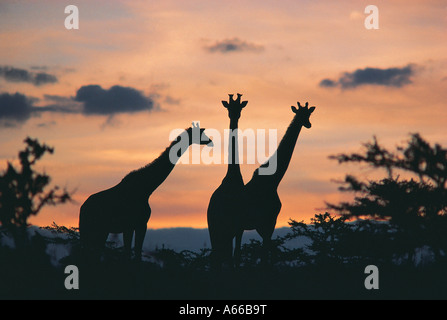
point(124, 208)
point(261, 203)
point(225, 201)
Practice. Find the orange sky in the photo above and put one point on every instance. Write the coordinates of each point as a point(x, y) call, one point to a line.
point(163, 49)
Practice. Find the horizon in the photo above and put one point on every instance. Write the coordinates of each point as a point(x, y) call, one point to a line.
point(161, 66)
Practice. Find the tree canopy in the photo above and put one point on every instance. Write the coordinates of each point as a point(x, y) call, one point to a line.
point(22, 190)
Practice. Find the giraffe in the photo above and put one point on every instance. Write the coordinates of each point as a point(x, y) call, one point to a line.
point(225, 201)
point(261, 201)
point(125, 208)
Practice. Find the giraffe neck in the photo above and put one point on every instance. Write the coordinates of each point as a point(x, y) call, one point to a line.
point(233, 171)
point(284, 151)
point(145, 180)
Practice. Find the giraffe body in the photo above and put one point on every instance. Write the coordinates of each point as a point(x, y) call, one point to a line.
point(125, 208)
point(262, 205)
point(114, 210)
point(224, 207)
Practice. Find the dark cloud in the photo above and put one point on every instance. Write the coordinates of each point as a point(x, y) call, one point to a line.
point(43, 78)
point(42, 68)
point(14, 109)
point(12, 74)
point(117, 99)
point(46, 124)
point(390, 77)
point(60, 104)
point(89, 100)
point(56, 98)
point(233, 45)
point(328, 83)
point(17, 108)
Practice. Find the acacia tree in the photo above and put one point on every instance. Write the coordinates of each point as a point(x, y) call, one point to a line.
point(416, 205)
point(22, 190)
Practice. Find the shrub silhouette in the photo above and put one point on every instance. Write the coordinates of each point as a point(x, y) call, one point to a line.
point(387, 222)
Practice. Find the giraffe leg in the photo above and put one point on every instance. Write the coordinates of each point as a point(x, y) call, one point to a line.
point(267, 250)
point(218, 256)
point(221, 255)
point(228, 262)
point(237, 249)
point(140, 233)
point(267, 244)
point(127, 239)
point(216, 246)
point(94, 246)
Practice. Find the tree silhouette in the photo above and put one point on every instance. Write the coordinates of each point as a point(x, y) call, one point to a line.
point(412, 196)
point(26, 269)
point(22, 190)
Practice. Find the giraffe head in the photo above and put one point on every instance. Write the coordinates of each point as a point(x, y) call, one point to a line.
point(303, 114)
point(234, 106)
point(196, 135)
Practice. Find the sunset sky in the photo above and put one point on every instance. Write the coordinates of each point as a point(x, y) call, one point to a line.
point(174, 61)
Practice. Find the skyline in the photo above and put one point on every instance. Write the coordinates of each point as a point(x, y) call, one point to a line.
point(107, 96)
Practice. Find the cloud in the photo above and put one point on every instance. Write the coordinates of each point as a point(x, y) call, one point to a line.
point(12, 74)
point(14, 109)
point(390, 77)
point(233, 45)
point(46, 124)
point(42, 68)
point(17, 108)
point(60, 104)
point(117, 99)
point(170, 100)
point(328, 83)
